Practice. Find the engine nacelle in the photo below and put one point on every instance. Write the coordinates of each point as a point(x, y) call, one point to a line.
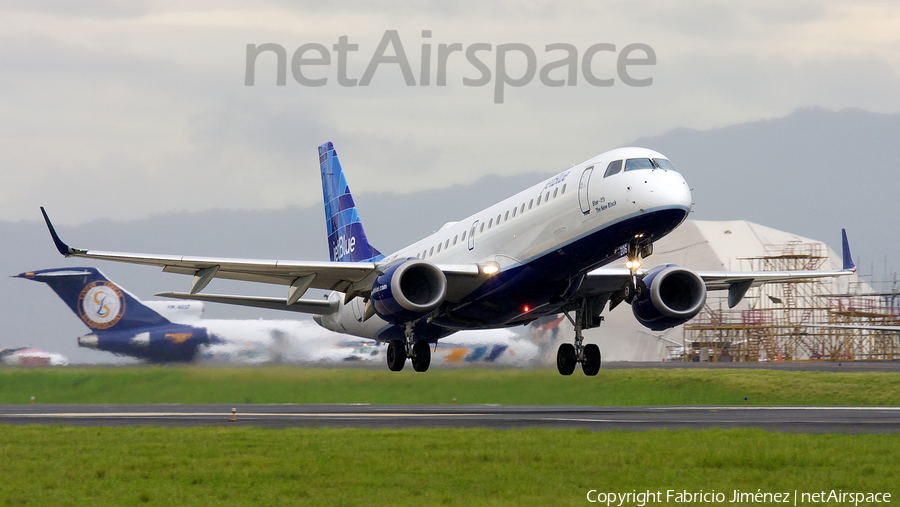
point(408, 291)
point(674, 296)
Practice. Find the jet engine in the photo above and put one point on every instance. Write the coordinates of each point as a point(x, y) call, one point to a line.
point(408, 291)
point(674, 296)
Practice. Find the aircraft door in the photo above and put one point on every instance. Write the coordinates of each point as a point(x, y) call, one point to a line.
point(472, 235)
point(583, 198)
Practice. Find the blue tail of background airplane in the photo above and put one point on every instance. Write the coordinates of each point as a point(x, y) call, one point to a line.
point(347, 240)
point(101, 304)
point(119, 322)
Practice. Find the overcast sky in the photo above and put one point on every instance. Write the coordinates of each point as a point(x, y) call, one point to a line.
point(125, 110)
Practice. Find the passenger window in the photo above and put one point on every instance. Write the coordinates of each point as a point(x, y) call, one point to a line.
point(482, 227)
point(547, 197)
point(498, 219)
point(555, 192)
point(514, 212)
point(455, 238)
point(530, 203)
point(563, 190)
point(464, 235)
point(424, 253)
point(439, 247)
point(634, 164)
point(538, 201)
point(664, 164)
point(614, 167)
point(417, 256)
point(523, 208)
point(446, 243)
point(431, 253)
point(490, 223)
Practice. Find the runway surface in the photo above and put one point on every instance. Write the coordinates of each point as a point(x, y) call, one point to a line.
point(783, 419)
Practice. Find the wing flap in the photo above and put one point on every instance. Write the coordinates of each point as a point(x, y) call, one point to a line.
point(302, 306)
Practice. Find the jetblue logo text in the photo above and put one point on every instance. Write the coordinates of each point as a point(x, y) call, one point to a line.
point(344, 247)
point(560, 69)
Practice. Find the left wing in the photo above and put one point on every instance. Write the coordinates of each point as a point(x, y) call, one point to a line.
point(352, 278)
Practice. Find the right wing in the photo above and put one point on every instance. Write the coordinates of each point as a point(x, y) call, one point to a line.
point(608, 281)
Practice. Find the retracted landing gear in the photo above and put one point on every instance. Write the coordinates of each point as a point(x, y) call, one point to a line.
point(418, 351)
point(588, 355)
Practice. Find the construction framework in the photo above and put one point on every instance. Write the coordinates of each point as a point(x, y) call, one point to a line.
point(789, 321)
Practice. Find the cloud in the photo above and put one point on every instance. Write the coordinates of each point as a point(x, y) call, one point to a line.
point(145, 104)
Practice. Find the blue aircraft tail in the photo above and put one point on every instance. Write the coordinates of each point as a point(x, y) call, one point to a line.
point(346, 238)
point(102, 305)
point(845, 252)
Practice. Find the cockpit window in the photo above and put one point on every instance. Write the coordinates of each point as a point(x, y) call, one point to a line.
point(633, 164)
point(664, 164)
point(614, 167)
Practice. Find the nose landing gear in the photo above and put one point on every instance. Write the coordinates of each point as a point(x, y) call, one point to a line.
point(635, 289)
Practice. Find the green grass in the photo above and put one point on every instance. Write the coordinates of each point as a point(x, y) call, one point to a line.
point(506, 387)
point(62, 466)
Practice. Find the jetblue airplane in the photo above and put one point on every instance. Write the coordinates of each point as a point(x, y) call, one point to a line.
point(540, 252)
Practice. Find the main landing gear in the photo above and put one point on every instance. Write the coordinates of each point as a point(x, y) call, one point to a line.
point(418, 351)
point(569, 355)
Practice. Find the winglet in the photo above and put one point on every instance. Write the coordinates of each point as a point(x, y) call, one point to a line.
point(845, 246)
point(62, 247)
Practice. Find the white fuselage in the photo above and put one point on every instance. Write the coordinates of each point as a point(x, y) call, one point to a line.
point(558, 212)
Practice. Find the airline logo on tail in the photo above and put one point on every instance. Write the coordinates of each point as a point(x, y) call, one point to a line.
point(343, 248)
point(101, 304)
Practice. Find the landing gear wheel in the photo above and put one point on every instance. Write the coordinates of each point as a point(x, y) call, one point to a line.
point(421, 356)
point(396, 355)
point(641, 289)
point(634, 292)
point(591, 364)
point(566, 359)
point(628, 292)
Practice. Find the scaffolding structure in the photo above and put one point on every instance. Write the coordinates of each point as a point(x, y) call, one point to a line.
point(788, 321)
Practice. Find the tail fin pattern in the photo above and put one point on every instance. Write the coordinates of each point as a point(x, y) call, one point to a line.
point(347, 240)
point(100, 303)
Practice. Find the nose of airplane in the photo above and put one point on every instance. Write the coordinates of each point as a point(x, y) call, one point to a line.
point(671, 190)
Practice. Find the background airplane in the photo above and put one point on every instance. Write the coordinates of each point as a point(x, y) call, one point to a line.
point(538, 253)
point(28, 356)
point(166, 331)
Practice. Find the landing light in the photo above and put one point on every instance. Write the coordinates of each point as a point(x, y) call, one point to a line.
point(490, 268)
point(635, 264)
